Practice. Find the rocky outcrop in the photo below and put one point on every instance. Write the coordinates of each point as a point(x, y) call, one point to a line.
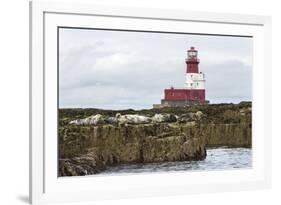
point(230, 135)
point(89, 149)
point(92, 139)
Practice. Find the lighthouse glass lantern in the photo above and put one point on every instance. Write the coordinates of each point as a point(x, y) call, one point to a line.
point(192, 53)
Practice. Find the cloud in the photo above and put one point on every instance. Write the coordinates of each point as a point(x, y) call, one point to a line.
point(229, 82)
point(120, 70)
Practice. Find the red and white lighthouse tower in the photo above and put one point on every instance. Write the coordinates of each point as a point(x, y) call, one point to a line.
point(194, 79)
point(193, 91)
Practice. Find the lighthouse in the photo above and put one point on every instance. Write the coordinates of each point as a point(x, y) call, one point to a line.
point(193, 91)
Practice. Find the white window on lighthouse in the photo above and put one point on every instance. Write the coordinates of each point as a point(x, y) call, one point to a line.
point(192, 54)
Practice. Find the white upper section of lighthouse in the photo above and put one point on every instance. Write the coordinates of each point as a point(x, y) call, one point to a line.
point(195, 81)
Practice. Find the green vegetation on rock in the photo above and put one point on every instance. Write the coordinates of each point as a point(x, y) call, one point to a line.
point(166, 134)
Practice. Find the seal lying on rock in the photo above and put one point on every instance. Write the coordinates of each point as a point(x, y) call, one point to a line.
point(92, 120)
point(164, 118)
point(111, 120)
point(190, 117)
point(137, 119)
point(132, 119)
point(119, 119)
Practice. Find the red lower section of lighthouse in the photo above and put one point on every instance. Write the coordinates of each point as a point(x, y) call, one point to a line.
point(185, 95)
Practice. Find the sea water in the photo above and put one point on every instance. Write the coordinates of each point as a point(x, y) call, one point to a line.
point(217, 159)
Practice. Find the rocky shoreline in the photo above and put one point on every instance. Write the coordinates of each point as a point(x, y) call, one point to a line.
point(92, 139)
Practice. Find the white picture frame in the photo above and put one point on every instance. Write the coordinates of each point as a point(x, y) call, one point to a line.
point(46, 187)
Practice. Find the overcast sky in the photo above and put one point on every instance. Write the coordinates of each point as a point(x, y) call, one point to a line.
point(121, 70)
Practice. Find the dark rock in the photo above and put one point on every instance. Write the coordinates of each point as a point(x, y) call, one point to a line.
point(79, 166)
